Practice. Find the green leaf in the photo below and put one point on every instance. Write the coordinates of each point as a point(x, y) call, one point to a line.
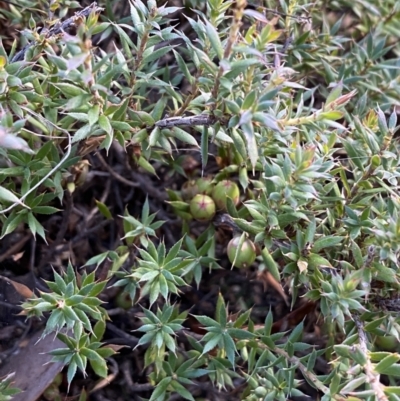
point(71, 372)
point(252, 148)
point(93, 114)
point(99, 365)
point(386, 363)
point(183, 67)
point(155, 55)
point(183, 136)
point(250, 100)
point(99, 329)
point(335, 93)
point(103, 209)
point(220, 312)
point(393, 370)
point(8, 196)
point(212, 342)
point(207, 321)
point(70, 90)
point(45, 210)
point(82, 133)
point(204, 148)
point(182, 391)
point(392, 390)
point(297, 333)
point(105, 125)
point(326, 242)
point(266, 120)
point(317, 261)
point(270, 264)
point(353, 385)
point(160, 389)
point(215, 41)
point(230, 348)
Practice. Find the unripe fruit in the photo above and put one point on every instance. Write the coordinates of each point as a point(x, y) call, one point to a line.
point(387, 343)
point(123, 300)
point(189, 190)
point(223, 190)
point(260, 392)
point(204, 185)
point(202, 207)
point(247, 254)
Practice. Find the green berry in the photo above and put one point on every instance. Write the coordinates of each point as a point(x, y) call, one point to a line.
point(260, 391)
point(246, 255)
point(223, 190)
point(204, 185)
point(123, 300)
point(202, 207)
point(189, 190)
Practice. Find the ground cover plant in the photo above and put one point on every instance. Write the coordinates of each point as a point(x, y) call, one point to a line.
point(200, 200)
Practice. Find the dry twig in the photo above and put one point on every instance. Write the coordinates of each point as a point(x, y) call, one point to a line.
point(60, 27)
point(372, 376)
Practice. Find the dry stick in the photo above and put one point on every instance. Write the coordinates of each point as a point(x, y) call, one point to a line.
point(306, 373)
point(147, 186)
point(60, 27)
point(83, 234)
point(15, 248)
point(201, 119)
point(373, 377)
point(115, 174)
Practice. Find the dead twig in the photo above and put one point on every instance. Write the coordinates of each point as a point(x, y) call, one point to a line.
point(61, 27)
point(114, 173)
point(372, 376)
point(15, 248)
point(201, 119)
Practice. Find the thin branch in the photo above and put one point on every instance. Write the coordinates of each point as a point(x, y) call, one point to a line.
point(373, 377)
point(297, 17)
point(15, 248)
point(52, 171)
point(306, 373)
point(201, 119)
point(60, 27)
point(83, 234)
point(115, 174)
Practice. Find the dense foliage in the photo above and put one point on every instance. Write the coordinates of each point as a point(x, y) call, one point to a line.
point(142, 138)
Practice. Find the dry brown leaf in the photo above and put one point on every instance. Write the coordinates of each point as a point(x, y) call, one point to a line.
point(16, 257)
point(115, 347)
point(22, 289)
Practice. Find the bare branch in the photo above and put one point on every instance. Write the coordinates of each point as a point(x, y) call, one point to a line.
point(60, 27)
point(373, 377)
point(201, 119)
point(53, 170)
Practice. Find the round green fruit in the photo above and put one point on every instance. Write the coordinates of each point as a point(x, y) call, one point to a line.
point(204, 185)
point(260, 392)
point(189, 190)
point(202, 207)
point(123, 300)
point(387, 343)
point(222, 191)
point(246, 255)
